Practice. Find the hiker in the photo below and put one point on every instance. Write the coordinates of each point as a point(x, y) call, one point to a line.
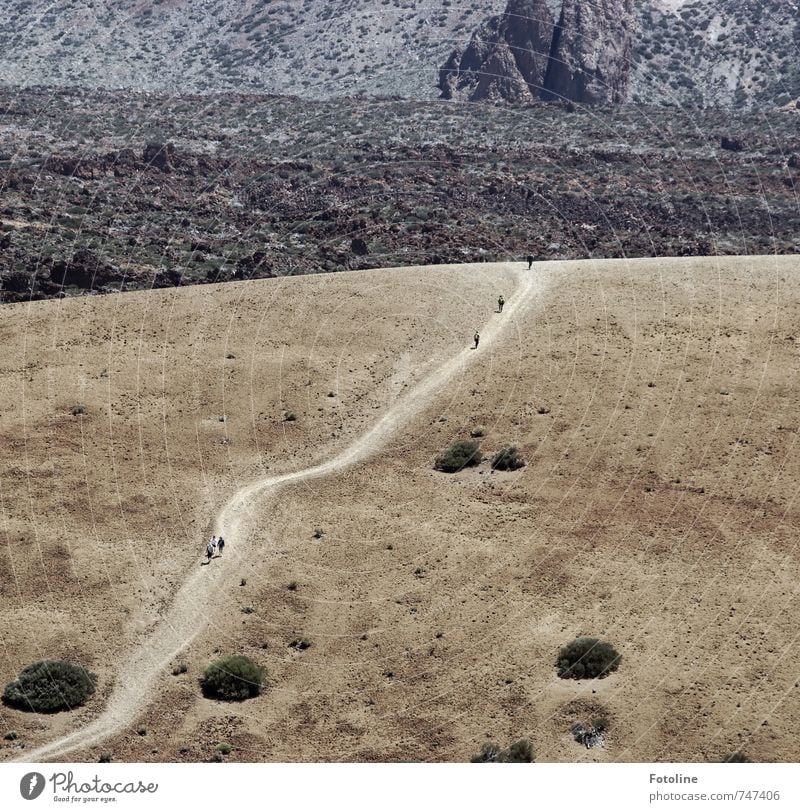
point(530, 261)
point(209, 551)
point(500, 302)
point(220, 544)
point(477, 338)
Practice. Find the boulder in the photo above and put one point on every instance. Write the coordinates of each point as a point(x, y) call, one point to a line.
point(732, 144)
point(159, 156)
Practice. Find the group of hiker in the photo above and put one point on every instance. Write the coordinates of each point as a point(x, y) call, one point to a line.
point(477, 337)
point(214, 546)
point(500, 302)
point(217, 545)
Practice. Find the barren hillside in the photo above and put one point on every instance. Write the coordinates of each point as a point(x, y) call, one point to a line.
point(653, 401)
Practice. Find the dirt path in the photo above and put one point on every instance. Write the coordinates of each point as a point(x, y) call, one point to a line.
point(186, 618)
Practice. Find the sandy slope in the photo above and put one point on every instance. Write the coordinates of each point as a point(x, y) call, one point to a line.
point(655, 402)
point(186, 618)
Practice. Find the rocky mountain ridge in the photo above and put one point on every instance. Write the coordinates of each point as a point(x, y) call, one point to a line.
point(682, 52)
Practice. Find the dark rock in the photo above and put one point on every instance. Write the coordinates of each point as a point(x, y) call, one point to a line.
point(794, 161)
point(168, 278)
point(160, 156)
point(72, 167)
point(732, 144)
point(16, 282)
point(85, 270)
point(359, 247)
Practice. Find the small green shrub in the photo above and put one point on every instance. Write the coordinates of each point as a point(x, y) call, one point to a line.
point(507, 459)
point(520, 752)
point(180, 668)
point(233, 678)
point(587, 658)
point(78, 409)
point(224, 748)
point(49, 686)
point(461, 454)
point(300, 643)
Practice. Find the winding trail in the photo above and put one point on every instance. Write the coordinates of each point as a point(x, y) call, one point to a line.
point(152, 656)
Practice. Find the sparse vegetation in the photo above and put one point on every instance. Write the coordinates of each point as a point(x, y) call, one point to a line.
point(224, 748)
point(300, 644)
point(587, 658)
point(49, 686)
point(34, 265)
point(507, 459)
point(180, 668)
point(460, 455)
point(520, 752)
point(78, 409)
point(233, 678)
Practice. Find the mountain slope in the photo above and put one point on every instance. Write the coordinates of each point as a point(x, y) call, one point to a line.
point(686, 52)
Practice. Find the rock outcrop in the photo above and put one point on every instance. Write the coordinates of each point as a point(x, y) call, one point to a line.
point(590, 57)
point(522, 55)
point(506, 57)
point(160, 156)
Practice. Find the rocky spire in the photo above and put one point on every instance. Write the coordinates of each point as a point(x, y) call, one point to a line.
point(591, 52)
point(521, 54)
point(506, 57)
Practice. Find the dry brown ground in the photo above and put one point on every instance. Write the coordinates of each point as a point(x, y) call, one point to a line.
point(656, 509)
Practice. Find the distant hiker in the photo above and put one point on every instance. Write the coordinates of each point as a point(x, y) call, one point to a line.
point(500, 302)
point(530, 261)
point(209, 551)
point(220, 544)
point(477, 338)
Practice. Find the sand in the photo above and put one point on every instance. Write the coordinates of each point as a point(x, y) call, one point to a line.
point(652, 400)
